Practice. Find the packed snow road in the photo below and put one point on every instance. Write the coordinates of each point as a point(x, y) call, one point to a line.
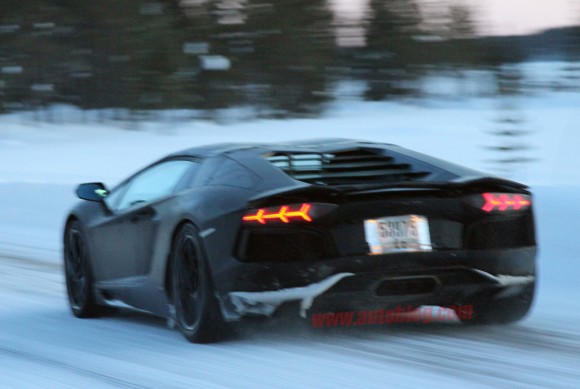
point(42, 345)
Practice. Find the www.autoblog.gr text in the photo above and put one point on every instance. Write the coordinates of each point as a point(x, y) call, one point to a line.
point(396, 315)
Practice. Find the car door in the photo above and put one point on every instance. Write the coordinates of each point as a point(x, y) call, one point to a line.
point(125, 238)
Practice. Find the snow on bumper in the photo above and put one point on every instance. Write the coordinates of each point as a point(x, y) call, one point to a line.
point(266, 303)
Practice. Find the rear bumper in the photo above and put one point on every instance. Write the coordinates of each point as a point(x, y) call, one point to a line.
point(369, 282)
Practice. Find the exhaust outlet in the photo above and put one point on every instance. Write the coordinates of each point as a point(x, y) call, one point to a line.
point(399, 286)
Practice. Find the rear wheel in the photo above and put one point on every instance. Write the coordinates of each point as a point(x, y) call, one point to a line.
point(78, 276)
point(197, 313)
point(501, 311)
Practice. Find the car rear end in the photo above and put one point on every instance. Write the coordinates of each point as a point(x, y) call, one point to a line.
point(379, 228)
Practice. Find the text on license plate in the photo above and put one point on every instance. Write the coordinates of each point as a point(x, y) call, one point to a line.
point(397, 234)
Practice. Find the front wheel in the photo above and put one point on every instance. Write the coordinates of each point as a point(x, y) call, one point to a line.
point(197, 313)
point(77, 270)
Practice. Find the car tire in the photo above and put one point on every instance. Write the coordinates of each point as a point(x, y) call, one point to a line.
point(78, 274)
point(500, 311)
point(197, 312)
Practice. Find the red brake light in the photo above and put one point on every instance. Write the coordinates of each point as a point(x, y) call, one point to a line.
point(283, 213)
point(505, 202)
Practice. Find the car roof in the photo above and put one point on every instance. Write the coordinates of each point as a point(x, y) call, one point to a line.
point(312, 145)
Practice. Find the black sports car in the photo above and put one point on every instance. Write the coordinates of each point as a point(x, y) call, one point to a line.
point(211, 234)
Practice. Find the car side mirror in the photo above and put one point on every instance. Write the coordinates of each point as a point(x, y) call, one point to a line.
point(92, 191)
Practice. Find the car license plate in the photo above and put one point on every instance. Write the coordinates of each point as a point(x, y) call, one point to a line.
point(397, 234)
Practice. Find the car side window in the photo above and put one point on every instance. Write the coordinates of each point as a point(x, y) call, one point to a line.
point(152, 184)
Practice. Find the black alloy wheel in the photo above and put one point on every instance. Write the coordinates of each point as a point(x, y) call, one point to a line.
point(79, 282)
point(196, 310)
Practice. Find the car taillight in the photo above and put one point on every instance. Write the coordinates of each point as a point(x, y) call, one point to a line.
point(505, 202)
point(283, 213)
point(287, 214)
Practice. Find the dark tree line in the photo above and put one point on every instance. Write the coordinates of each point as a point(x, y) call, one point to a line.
point(279, 57)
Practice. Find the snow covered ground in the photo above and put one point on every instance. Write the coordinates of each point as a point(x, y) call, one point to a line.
point(41, 345)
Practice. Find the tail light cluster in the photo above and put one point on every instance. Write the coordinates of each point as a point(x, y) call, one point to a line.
point(286, 214)
point(306, 212)
point(501, 202)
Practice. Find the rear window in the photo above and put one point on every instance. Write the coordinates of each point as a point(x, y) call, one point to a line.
point(345, 167)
